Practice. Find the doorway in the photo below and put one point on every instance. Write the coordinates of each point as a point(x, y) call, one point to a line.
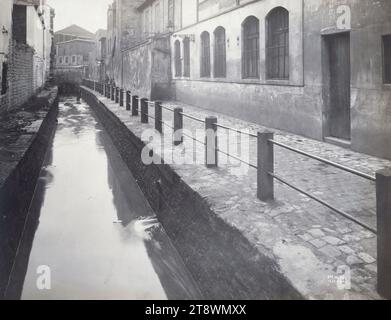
point(338, 69)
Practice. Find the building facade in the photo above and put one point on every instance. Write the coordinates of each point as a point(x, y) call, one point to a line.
point(97, 57)
point(316, 68)
point(73, 59)
point(72, 32)
point(26, 50)
point(73, 48)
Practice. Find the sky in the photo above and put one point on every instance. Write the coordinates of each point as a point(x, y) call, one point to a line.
point(88, 14)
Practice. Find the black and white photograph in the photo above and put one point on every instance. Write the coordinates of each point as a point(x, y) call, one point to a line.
point(195, 155)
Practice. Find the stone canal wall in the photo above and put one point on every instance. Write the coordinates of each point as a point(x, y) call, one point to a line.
point(24, 138)
point(222, 261)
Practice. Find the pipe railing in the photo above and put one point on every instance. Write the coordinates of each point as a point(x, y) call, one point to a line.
point(265, 167)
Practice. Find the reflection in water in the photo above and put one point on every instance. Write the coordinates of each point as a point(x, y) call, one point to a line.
point(96, 232)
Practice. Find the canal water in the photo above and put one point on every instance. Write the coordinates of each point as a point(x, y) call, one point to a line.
point(90, 233)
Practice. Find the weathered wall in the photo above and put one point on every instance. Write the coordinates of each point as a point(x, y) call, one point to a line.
point(161, 69)
point(5, 41)
point(137, 68)
point(370, 98)
point(299, 105)
point(21, 74)
point(279, 104)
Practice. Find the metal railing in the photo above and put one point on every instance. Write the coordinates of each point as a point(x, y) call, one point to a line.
point(265, 167)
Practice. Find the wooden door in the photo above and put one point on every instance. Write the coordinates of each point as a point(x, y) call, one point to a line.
point(339, 55)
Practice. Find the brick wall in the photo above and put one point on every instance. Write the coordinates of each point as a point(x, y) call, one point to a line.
point(21, 74)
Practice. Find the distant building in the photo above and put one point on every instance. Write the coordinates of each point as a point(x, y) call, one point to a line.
point(26, 37)
point(73, 48)
point(72, 32)
point(73, 58)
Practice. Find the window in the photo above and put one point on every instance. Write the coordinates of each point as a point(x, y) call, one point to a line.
point(205, 54)
point(66, 60)
point(277, 44)
point(219, 53)
point(178, 62)
point(4, 78)
point(157, 18)
point(387, 59)
point(250, 53)
point(170, 14)
point(73, 59)
point(60, 60)
point(186, 57)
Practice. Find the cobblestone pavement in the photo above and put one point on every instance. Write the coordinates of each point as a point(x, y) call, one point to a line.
point(313, 245)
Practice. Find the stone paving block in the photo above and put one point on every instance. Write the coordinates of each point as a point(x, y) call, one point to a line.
point(366, 257)
point(353, 260)
point(318, 243)
point(330, 251)
point(333, 241)
point(316, 233)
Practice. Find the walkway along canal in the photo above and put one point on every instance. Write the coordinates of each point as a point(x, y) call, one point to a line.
point(89, 228)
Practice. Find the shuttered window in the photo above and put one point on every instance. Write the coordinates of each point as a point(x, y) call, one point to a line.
point(177, 57)
point(219, 53)
point(277, 44)
point(186, 57)
point(205, 54)
point(250, 50)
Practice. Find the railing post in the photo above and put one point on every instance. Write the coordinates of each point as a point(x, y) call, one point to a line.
point(265, 165)
point(112, 93)
point(383, 214)
point(116, 95)
point(211, 153)
point(135, 106)
point(178, 126)
point(94, 85)
point(103, 89)
point(121, 97)
point(158, 117)
point(127, 102)
point(144, 110)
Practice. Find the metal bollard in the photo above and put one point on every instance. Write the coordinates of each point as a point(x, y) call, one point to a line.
point(127, 100)
point(144, 110)
point(383, 214)
point(121, 97)
point(135, 106)
point(211, 153)
point(178, 126)
point(265, 190)
point(158, 117)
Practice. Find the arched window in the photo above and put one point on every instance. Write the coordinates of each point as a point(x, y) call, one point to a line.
point(177, 57)
point(250, 53)
point(219, 53)
point(186, 57)
point(205, 54)
point(277, 44)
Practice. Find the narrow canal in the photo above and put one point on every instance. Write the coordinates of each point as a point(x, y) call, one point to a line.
point(90, 233)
